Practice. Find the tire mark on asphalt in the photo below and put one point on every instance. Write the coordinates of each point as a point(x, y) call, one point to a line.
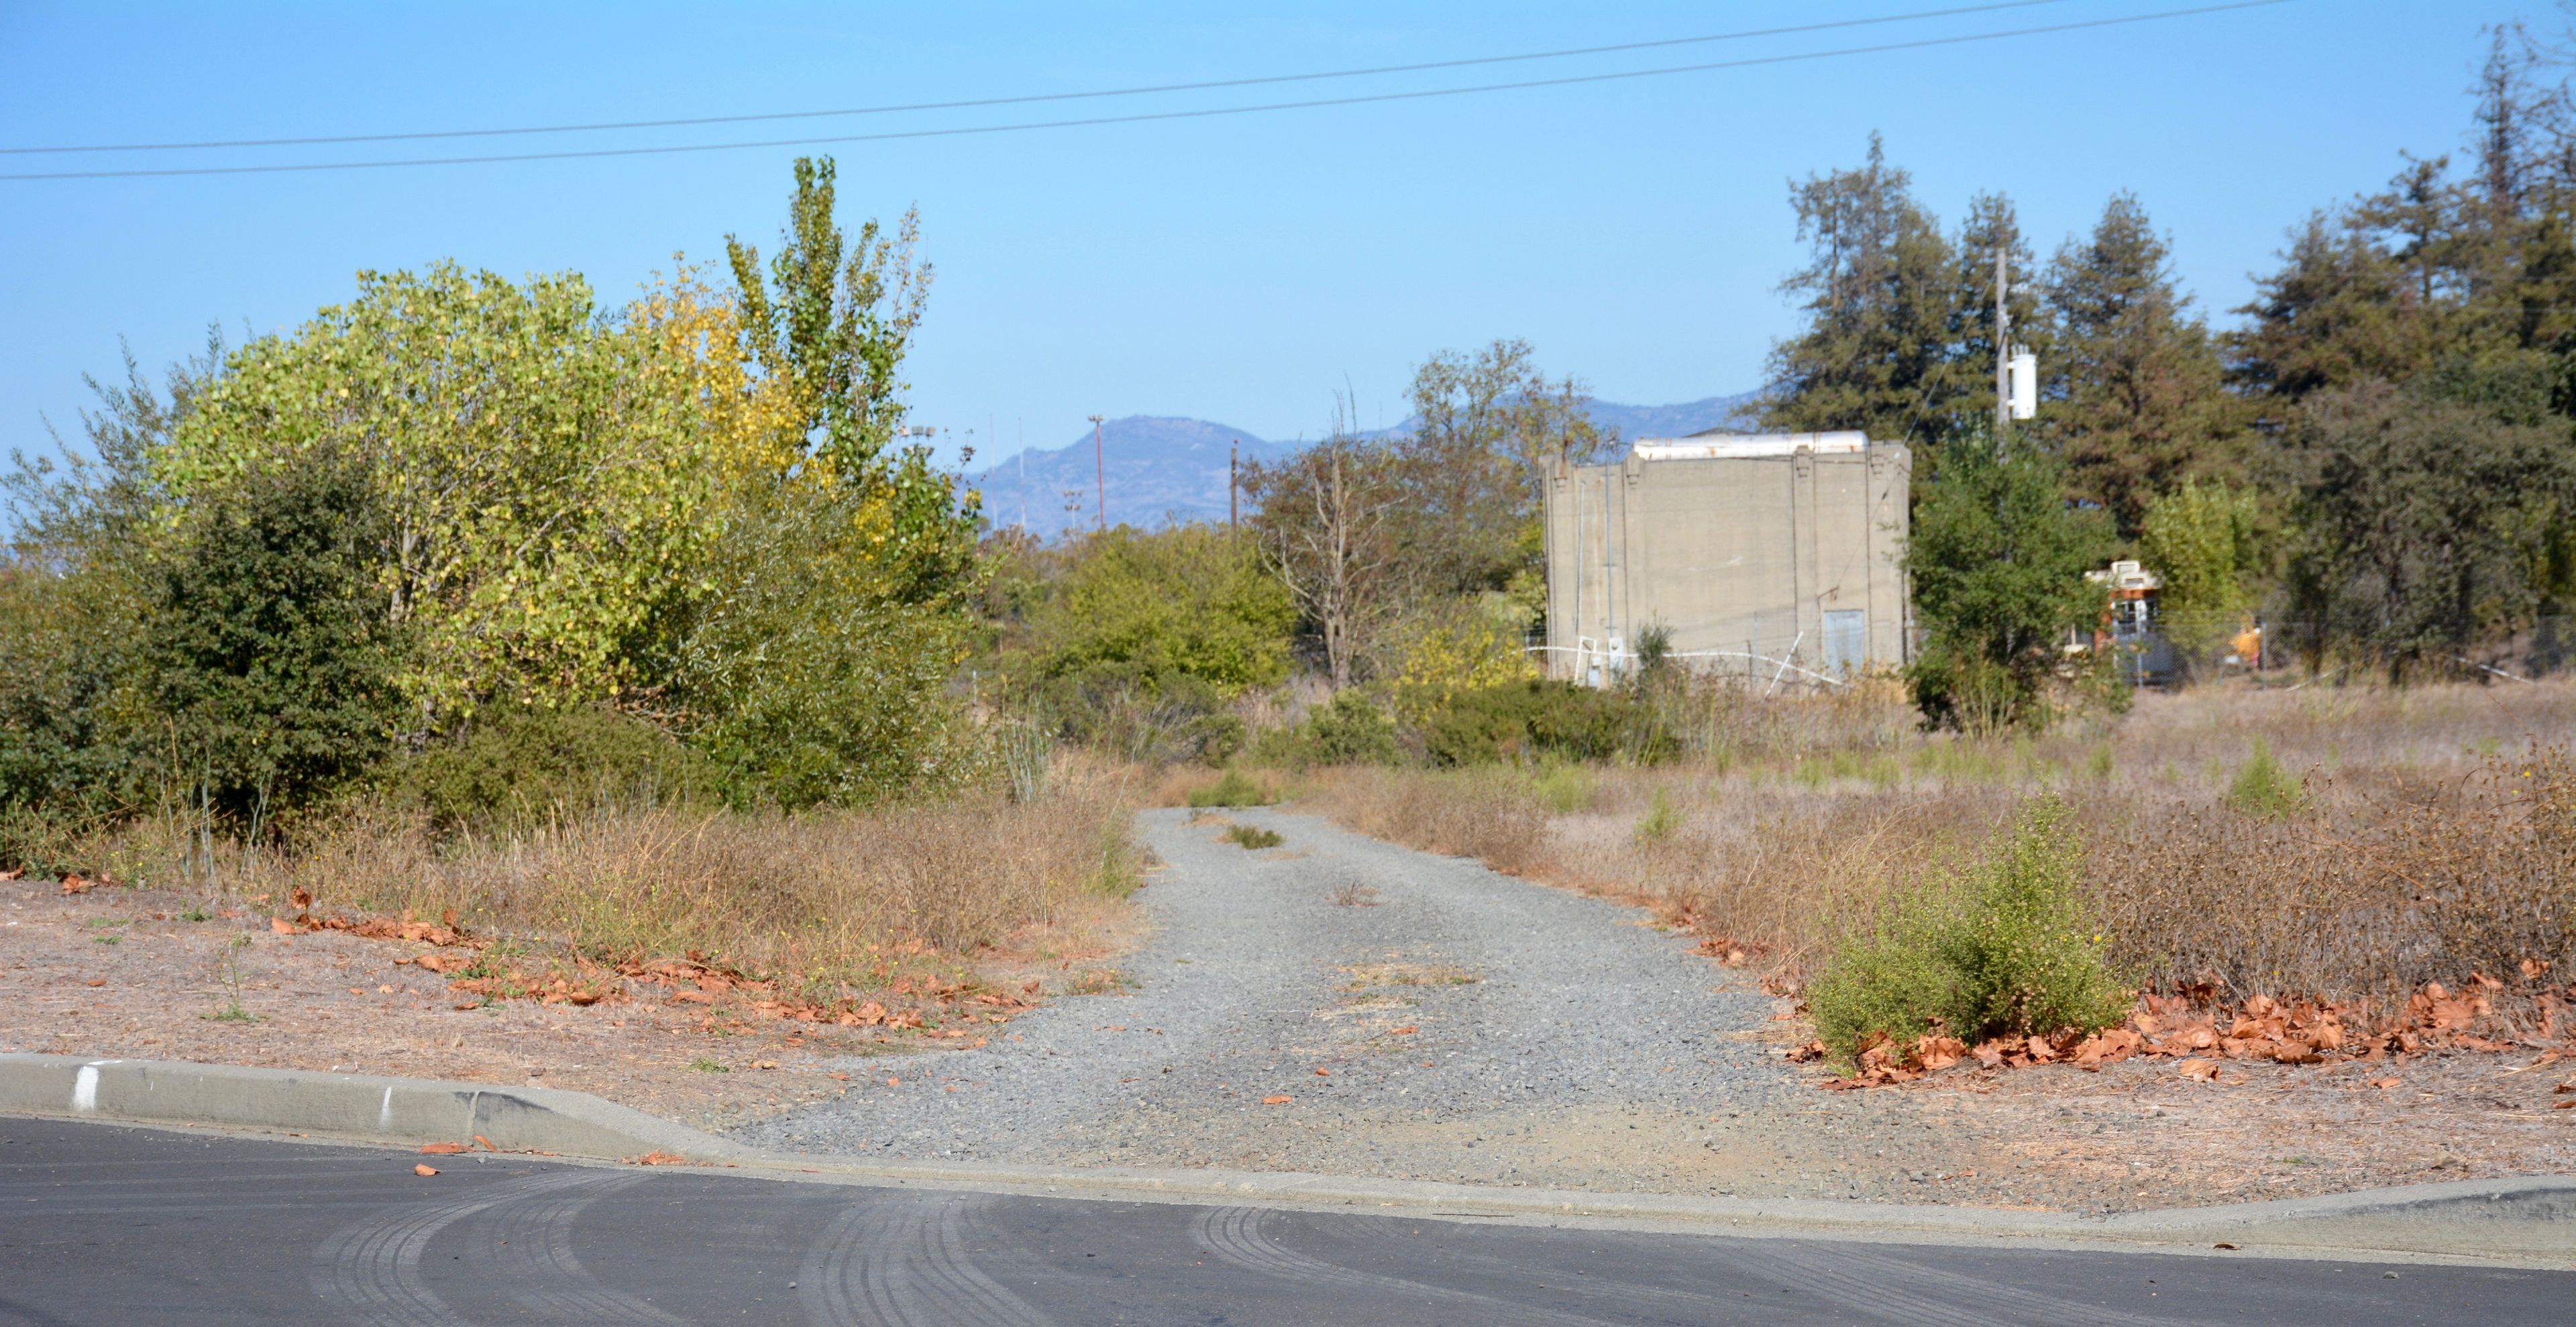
point(1963, 1288)
point(538, 1268)
point(1234, 1234)
point(905, 1262)
point(1865, 1280)
point(372, 1270)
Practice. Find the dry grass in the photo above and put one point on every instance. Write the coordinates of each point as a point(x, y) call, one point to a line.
point(2433, 831)
point(845, 896)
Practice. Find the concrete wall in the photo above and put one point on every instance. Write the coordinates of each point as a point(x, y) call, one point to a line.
point(1771, 556)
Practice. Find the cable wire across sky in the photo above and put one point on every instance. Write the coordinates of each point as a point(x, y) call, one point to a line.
point(1037, 97)
point(1089, 121)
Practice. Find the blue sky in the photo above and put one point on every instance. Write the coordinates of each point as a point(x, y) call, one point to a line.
point(1242, 269)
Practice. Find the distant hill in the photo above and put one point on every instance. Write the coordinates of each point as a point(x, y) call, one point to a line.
point(1675, 421)
point(1160, 470)
point(1163, 469)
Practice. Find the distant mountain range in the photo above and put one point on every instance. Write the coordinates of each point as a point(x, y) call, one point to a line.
point(1163, 470)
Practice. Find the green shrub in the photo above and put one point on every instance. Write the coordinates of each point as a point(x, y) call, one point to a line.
point(1661, 819)
point(1190, 601)
point(1234, 789)
point(1349, 730)
point(270, 646)
point(521, 770)
point(1564, 789)
point(1531, 719)
point(1252, 837)
point(2264, 789)
point(68, 744)
point(2006, 949)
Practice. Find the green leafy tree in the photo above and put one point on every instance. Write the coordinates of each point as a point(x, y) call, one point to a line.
point(1881, 303)
point(2427, 524)
point(2139, 407)
point(1469, 472)
point(833, 319)
point(1997, 556)
point(803, 671)
point(546, 476)
point(2200, 539)
point(270, 651)
point(1193, 601)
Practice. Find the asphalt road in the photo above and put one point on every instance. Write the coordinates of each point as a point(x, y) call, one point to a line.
point(132, 1227)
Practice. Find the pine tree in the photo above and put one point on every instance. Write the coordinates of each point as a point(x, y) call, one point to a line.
point(2137, 406)
point(1876, 354)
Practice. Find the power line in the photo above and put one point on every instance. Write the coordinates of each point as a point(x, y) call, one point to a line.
point(1209, 113)
point(1040, 97)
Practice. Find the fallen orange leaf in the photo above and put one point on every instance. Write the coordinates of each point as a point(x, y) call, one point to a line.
point(1323, 1073)
point(1277, 1100)
point(96, 981)
point(486, 1142)
point(2383, 1084)
point(2204, 1070)
point(424, 1168)
point(1405, 1031)
point(441, 1149)
point(281, 925)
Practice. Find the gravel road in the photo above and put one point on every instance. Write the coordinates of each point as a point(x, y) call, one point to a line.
point(1426, 1017)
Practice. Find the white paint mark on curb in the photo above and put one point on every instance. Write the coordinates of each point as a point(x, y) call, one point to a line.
point(385, 1113)
point(85, 1088)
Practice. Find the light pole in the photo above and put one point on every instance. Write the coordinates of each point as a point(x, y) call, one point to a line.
point(1100, 475)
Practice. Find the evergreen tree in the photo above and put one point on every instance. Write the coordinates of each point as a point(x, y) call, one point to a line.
point(1991, 224)
point(2137, 407)
point(1879, 290)
point(2339, 310)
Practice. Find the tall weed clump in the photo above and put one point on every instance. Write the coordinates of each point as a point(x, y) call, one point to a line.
point(2006, 948)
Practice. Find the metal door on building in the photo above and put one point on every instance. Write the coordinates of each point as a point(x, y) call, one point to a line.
point(1846, 640)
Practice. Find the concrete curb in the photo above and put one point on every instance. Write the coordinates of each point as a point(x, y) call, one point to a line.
point(2524, 1222)
point(356, 1107)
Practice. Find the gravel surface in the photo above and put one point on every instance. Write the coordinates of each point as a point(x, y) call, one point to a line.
point(1469, 1025)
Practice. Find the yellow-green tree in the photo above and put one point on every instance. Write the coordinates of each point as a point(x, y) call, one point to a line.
point(2200, 539)
point(550, 478)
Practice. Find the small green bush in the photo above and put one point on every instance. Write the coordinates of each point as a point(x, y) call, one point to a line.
point(1565, 789)
point(519, 771)
point(1251, 837)
point(1234, 789)
point(1661, 819)
point(1350, 730)
point(2264, 789)
point(2007, 949)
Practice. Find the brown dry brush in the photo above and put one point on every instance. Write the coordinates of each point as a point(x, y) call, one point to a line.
point(2382, 880)
point(819, 905)
point(2367, 893)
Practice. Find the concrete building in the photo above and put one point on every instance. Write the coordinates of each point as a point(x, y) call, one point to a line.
point(1755, 551)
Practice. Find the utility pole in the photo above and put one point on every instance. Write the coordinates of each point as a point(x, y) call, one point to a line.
point(1100, 475)
point(2003, 350)
point(1233, 465)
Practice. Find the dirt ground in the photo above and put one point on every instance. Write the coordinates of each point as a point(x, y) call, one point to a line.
point(125, 972)
point(122, 972)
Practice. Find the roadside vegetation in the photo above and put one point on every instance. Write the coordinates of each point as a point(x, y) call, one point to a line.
point(625, 632)
point(649, 633)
